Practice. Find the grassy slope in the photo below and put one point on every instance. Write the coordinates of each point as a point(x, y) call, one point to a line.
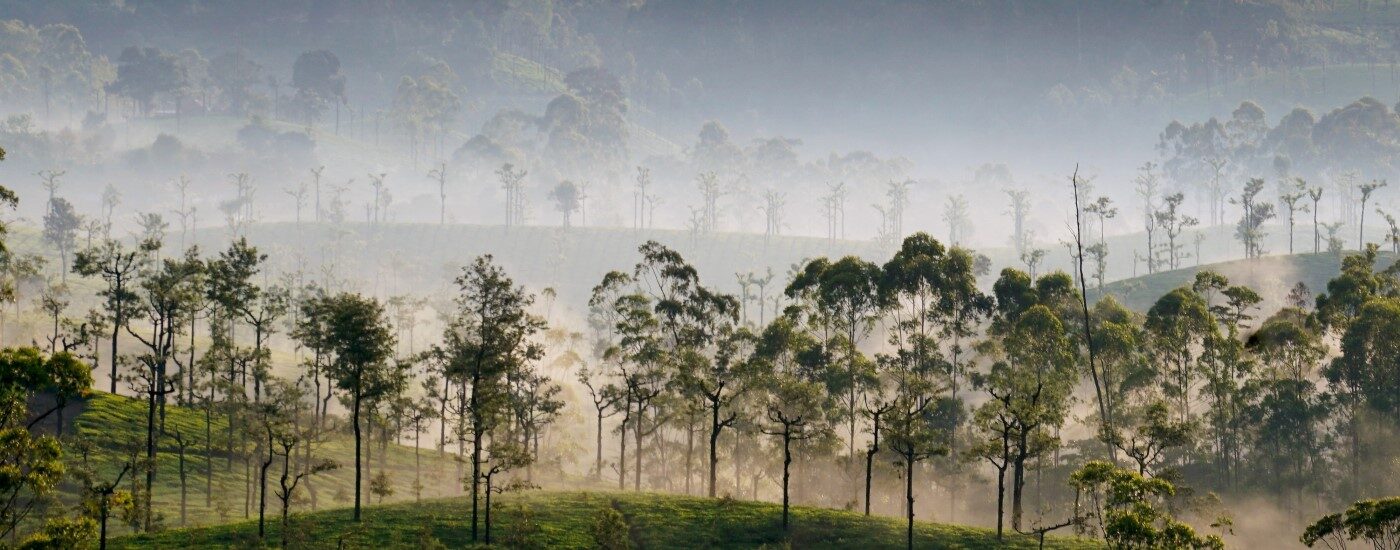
point(1271, 276)
point(565, 520)
point(114, 425)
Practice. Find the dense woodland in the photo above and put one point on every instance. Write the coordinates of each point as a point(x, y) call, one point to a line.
point(230, 290)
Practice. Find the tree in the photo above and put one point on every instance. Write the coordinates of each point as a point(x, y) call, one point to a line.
point(359, 342)
point(489, 338)
point(116, 266)
point(1377, 521)
point(1102, 208)
point(1131, 510)
point(290, 479)
point(1020, 206)
point(566, 200)
point(505, 455)
point(1173, 222)
point(710, 192)
point(1250, 228)
point(605, 398)
point(847, 293)
point(162, 297)
point(959, 221)
point(298, 196)
point(61, 225)
point(1316, 195)
point(834, 211)
point(1147, 186)
point(34, 461)
point(106, 494)
point(317, 78)
point(773, 203)
point(1290, 202)
point(792, 403)
point(1154, 434)
point(912, 432)
point(720, 381)
point(143, 74)
point(512, 181)
point(1177, 326)
point(1366, 190)
point(439, 174)
point(1393, 233)
point(235, 76)
point(1105, 417)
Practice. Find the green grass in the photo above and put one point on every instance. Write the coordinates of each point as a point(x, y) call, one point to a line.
point(114, 426)
point(566, 519)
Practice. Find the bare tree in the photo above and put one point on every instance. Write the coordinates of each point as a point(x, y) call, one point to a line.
point(1366, 190)
point(640, 198)
point(773, 203)
point(439, 175)
point(834, 210)
point(316, 188)
point(1148, 185)
point(1020, 210)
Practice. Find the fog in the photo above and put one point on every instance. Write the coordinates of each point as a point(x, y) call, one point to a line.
point(377, 147)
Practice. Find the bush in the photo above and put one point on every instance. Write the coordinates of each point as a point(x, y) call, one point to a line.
point(610, 530)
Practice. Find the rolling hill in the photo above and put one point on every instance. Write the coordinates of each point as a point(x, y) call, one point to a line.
point(1271, 276)
point(551, 519)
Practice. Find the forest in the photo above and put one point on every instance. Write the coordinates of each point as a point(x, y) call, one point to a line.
point(559, 274)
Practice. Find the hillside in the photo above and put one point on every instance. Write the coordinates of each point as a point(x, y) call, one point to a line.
point(1271, 276)
point(108, 428)
point(566, 520)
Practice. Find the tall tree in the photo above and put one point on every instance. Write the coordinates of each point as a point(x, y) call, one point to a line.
point(847, 293)
point(1250, 229)
point(316, 76)
point(793, 398)
point(490, 337)
point(360, 342)
point(1366, 190)
point(117, 266)
point(162, 298)
point(1290, 202)
point(61, 224)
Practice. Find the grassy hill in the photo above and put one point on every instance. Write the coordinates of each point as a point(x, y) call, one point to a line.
point(108, 428)
point(111, 427)
point(1271, 276)
point(566, 519)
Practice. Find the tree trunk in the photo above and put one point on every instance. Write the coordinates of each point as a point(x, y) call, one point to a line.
point(476, 464)
point(262, 488)
point(787, 462)
point(1018, 481)
point(598, 459)
point(183, 487)
point(622, 452)
point(1001, 496)
point(116, 332)
point(715, 427)
point(909, 500)
point(488, 509)
point(150, 454)
point(355, 420)
point(637, 473)
point(689, 453)
point(870, 459)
